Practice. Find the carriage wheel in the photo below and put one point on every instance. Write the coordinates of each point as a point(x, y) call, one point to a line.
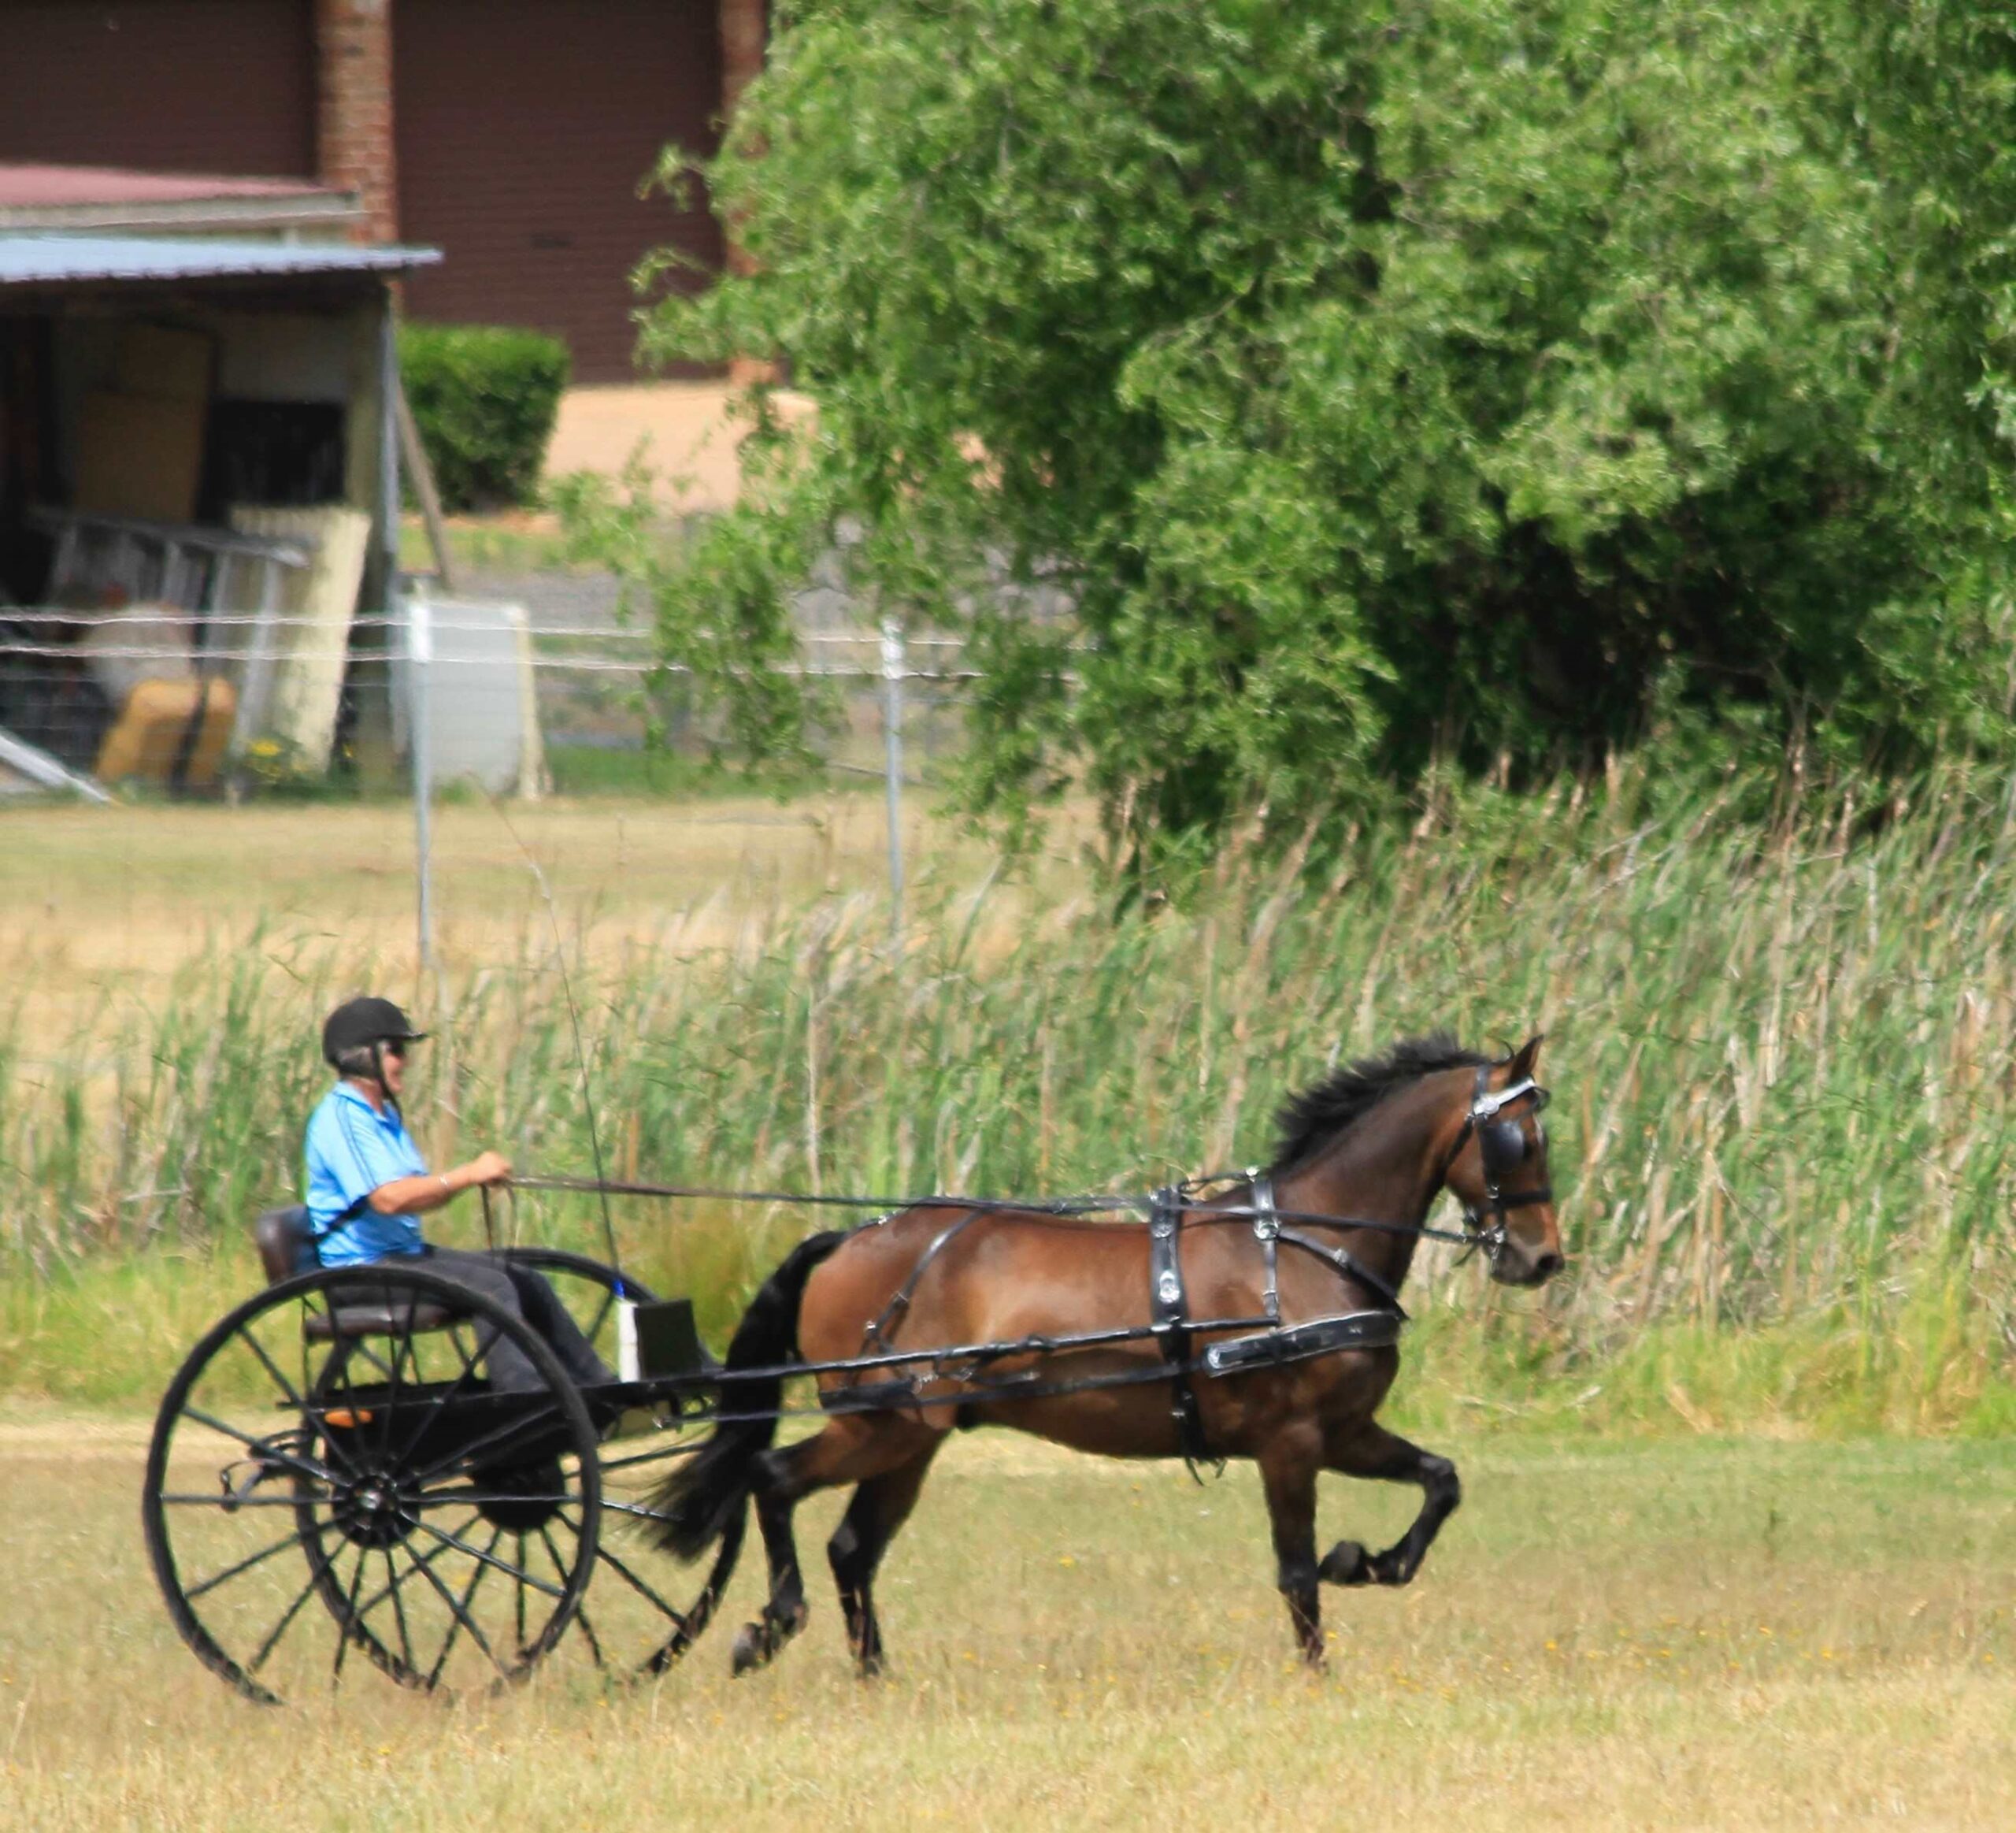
point(634, 1627)
point(446, 1531)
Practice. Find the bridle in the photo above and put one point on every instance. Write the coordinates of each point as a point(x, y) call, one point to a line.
point(1503, 1146)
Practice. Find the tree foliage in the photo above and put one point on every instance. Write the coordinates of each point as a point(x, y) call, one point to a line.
point(1485, 380)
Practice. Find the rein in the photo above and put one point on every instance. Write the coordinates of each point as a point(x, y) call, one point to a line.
point(1057, 1211)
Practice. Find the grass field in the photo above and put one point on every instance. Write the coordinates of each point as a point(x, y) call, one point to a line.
point(1689, 1634)
point(99, 905)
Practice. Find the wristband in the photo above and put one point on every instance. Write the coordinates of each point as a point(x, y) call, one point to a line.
point(447, 1188)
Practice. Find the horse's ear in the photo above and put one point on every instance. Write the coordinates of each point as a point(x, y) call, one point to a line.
point(1527, 1062)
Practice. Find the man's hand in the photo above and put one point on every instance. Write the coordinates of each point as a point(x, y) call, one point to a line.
point(489, 1167)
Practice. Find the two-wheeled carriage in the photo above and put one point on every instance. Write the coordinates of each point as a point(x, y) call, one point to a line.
point(334, 1479)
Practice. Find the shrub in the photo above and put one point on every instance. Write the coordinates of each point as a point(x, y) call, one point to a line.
point(484, 397)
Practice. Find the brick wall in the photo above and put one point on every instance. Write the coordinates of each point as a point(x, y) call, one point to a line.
point(353, 108)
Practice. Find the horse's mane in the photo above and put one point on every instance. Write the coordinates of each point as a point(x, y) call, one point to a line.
point(1312, 1118)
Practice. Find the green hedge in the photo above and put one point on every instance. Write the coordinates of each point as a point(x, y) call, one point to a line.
point(484, 397)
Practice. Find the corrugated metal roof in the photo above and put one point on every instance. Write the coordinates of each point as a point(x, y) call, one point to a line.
point(53, 260)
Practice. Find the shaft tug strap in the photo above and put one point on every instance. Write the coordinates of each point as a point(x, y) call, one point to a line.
point(1169, 1310)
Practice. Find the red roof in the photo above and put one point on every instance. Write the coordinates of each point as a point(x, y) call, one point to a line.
point(37, 187)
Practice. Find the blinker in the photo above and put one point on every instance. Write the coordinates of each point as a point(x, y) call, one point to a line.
point(1503, 1143)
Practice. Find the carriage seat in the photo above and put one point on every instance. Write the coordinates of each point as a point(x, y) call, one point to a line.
point(286, 1246)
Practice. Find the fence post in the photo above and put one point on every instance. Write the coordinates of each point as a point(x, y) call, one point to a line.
point(892, 726)
point(420, 656)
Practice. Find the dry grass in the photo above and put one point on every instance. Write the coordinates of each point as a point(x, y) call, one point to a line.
point(98, 904)
point(1682, 1635)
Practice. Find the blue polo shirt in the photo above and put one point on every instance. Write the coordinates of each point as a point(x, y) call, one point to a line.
point(352, 1148)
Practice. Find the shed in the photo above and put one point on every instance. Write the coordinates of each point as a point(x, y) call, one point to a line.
point(199, 484)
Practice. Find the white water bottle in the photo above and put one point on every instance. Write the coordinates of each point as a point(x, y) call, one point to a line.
point(626, 1340)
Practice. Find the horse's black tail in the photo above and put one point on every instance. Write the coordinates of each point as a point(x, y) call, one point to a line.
point(696, 1504)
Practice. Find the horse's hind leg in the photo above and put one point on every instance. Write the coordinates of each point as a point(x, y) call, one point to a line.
point(1287, 1474)
point(880, 1508)
point(1372, 1451)
point(847, 1450)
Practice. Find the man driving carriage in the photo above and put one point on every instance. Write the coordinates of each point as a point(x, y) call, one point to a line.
point(368, 1187)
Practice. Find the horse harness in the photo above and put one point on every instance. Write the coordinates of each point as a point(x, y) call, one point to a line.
point(1502, 1146)
point(1169, 1310)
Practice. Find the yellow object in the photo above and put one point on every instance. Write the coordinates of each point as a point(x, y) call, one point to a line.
point(149, 735)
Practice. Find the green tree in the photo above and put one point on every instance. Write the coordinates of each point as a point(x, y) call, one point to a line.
point(1384, 382)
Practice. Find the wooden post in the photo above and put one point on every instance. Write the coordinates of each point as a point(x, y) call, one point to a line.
point(422, 474)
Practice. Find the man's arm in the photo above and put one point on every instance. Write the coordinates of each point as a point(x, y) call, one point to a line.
point(432, 1190)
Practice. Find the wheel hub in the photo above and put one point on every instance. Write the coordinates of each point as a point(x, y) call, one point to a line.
point(373, 1512)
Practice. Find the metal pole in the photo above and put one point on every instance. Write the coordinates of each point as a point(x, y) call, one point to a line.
point(892, 726)
point(420, 655)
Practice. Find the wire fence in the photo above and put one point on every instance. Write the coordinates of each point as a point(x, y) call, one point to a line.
point(237, 703)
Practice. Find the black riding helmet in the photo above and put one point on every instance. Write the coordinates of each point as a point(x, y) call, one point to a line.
point(364, 1020)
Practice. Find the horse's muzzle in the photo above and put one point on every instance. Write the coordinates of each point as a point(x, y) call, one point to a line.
point(1515, 1265)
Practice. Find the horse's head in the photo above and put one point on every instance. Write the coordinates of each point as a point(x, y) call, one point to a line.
point(1498, 1172)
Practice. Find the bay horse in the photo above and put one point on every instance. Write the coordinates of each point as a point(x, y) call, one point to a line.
point(1370, 1147)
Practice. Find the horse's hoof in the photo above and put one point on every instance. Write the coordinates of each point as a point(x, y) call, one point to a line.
point(1347, 1563)
point(752, 1649)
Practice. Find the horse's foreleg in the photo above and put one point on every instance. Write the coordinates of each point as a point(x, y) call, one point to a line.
point(1287, 1474)
point(880, 1508)
point(1373, 1452)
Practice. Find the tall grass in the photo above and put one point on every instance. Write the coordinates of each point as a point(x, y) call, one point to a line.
point(1781, 1055)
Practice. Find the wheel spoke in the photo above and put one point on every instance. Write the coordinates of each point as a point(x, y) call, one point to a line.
point(639, 1585)
point(588, 1631)
point(399, 1613)
point(272, 1368)
point(426, 1558)
point(323, 1562)
point(522, 1577)
point(476, 1553)
point(211, 1583)
point(492, 1448)
point(230, 1504)
point(402, 1357)
point(462, 1618)
point(594, 1330)
point(349, 1625)
point(299, 1463)
point(478, 1498)
point(559, 1566)
point(448, 1391)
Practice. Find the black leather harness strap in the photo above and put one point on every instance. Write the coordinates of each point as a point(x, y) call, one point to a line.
point(877, 1335)
point(1342, 1260)
point(1169, 1311)
point(1267, 1232)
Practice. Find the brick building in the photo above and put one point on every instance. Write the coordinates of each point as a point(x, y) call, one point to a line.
point(513, 134)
